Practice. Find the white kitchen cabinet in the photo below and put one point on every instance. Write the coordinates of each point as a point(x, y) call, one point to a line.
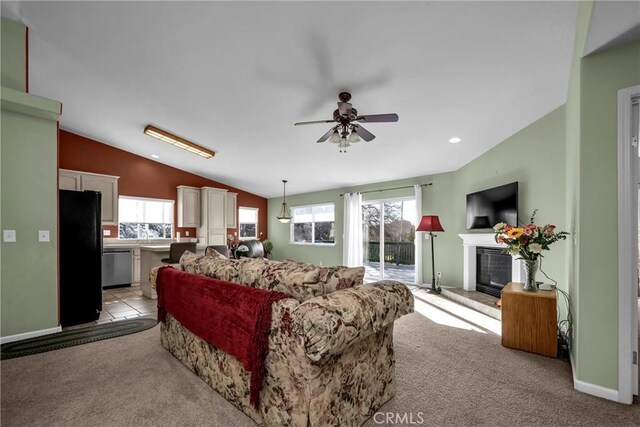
point(232, 210)
point(213, 216)
point(69, 180)
point(188, 206)
point(135, 267)
point(107, 185)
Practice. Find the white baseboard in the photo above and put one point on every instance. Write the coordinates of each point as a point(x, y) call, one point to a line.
point(27, 335)
point(592, 389)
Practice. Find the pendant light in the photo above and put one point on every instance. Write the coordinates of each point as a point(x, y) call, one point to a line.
point(284, 216)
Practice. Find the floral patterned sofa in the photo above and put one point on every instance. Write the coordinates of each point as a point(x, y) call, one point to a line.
point(330, 360)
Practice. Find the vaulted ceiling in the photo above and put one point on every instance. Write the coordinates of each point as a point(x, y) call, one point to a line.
point(235, 76)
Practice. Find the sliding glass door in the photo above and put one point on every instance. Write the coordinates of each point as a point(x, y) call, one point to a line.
point(389, 231)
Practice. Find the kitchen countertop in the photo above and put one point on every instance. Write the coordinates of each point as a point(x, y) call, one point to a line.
point(163, 248)
point(135, 244)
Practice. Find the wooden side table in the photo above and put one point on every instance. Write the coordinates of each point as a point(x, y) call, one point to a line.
point(529, 320)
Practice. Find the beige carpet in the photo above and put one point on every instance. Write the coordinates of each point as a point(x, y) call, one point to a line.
point(445, 375)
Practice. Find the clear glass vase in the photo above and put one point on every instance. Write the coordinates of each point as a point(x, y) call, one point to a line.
point(530, 269)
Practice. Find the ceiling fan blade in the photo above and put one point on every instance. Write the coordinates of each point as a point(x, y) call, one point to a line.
point(313, 122)
point(363, 133)
point(344, 108)
point(327, 135)
point(378, 118)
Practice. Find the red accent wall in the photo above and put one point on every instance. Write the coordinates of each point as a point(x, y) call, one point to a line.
point(143, 177)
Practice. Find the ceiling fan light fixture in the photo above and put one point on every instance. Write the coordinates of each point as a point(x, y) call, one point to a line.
point(335, 137)
point(174, 140)
point(284, 216)
point(343, 145)
point(346, 131)
point(353, 136)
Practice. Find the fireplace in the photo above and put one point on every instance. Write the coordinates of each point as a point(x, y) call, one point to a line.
point(493, 270)
point(470, 242)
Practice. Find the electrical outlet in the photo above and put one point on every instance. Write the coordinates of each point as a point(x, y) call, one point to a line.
point(106, 232)
point(186, 233)
point(43, 235)
point(439, 274)
point(9, 236)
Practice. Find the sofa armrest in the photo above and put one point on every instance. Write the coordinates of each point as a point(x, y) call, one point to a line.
point(153, 275)
point(332, 322)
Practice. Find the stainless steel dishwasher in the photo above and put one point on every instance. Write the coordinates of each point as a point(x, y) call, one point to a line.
point(116, 267)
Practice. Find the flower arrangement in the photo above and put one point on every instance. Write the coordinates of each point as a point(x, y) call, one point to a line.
point(528, 241)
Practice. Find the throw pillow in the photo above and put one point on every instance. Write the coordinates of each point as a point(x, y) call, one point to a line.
point(209, 251)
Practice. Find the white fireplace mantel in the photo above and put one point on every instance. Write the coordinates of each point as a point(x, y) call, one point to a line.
point(470, 242)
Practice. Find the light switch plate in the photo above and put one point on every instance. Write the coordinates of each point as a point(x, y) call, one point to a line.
point(9, 236)
point(186, 233)
point(106, 232)
point(43, 235)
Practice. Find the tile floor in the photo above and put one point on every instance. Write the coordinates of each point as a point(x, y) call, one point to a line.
point(125, 303)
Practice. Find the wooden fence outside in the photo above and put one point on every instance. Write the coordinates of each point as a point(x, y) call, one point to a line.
point(394, 252)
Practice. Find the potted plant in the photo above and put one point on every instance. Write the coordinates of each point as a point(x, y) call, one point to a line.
point(268, 247)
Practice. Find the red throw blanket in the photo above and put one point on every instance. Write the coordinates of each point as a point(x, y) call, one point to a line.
point(233, 318)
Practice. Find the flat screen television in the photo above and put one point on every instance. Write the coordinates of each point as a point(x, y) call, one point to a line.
point(488, 207)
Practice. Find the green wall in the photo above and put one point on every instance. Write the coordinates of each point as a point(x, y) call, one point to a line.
point(591, 205)
point(279, 233)
point(29, 289)
point(28, 199)
point(601, 76)
point(534, 157)
point(572, 181)
point(13, 55)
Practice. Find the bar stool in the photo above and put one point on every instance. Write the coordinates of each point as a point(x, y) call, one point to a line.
point(176, 250)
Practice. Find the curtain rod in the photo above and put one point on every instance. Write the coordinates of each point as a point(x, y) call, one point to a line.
point(389, 189)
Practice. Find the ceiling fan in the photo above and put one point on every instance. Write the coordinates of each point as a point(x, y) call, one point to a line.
point(347, 131)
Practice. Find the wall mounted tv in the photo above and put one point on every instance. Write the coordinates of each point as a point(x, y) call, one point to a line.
point(488, 207)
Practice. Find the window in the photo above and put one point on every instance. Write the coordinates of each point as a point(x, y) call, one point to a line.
point(314, 224)
point(141, 218)
point(248, 220)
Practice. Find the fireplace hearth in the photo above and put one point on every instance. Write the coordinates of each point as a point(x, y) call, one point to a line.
point(493, 270)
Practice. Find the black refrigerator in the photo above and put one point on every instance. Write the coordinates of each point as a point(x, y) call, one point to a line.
point(80, 256)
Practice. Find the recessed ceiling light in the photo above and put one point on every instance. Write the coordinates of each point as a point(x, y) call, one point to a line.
point(155, 156)
point(455, 140)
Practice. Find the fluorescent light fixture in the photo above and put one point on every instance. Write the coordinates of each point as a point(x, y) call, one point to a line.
point(178, 142)
point(455, 140)
point(155, 156)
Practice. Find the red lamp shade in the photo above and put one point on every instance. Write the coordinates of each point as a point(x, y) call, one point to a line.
point(430, 223)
